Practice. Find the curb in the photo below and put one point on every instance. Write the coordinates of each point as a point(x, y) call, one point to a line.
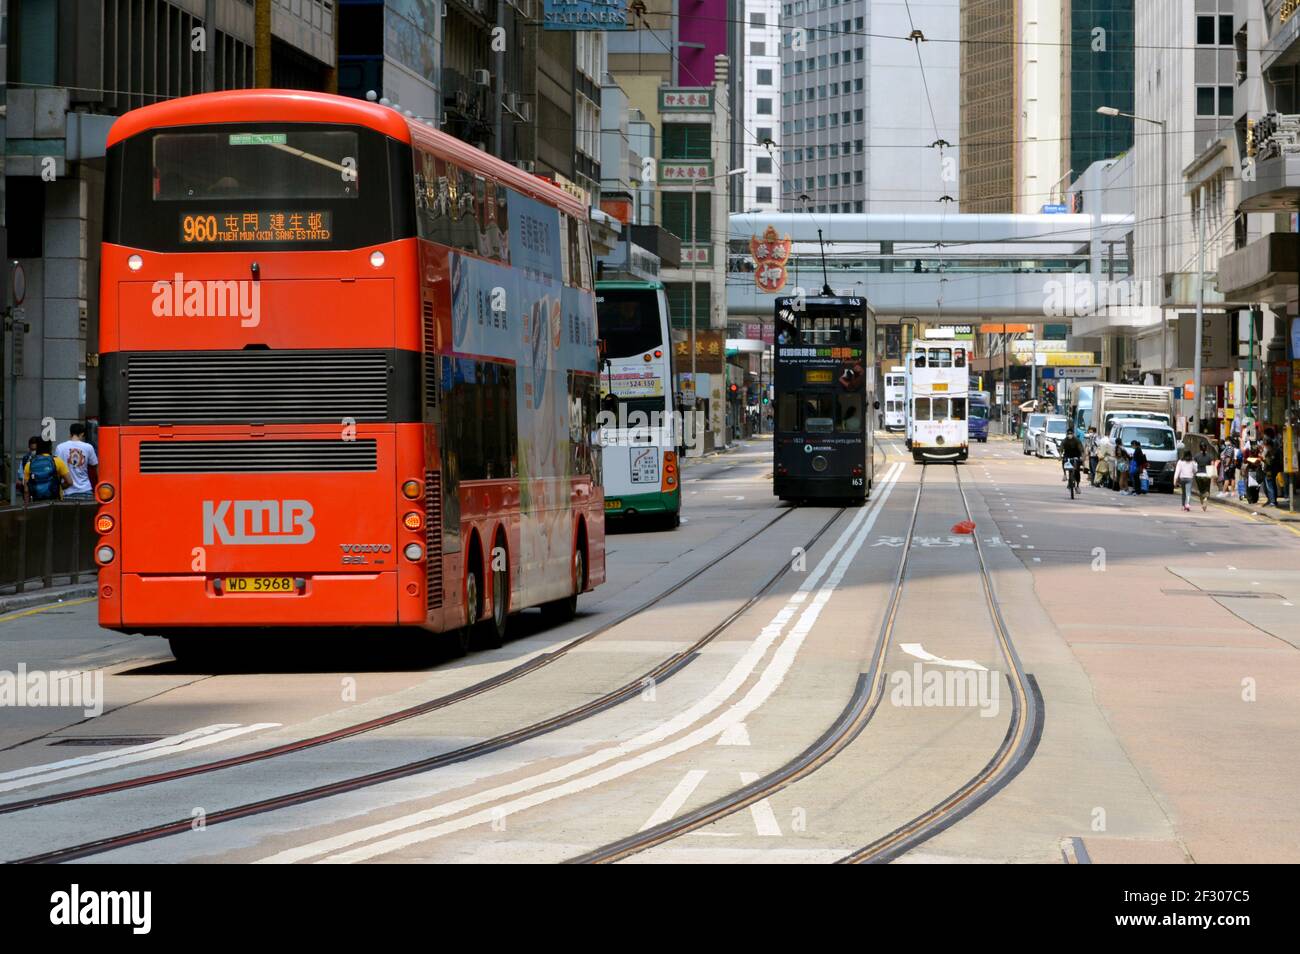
point(1254, 510)
point(19, 601)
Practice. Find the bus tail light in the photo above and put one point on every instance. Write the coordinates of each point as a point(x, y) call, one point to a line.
point(670, 470)
point(413, 521)
point(413, 552)
point(781, 470)
point(105, 492)
point(857, 471)
point(411, 490)
point(104, 523)
point(104, 555)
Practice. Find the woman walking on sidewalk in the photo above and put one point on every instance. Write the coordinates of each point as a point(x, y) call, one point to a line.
point(1184, 474)
point(1205, 466)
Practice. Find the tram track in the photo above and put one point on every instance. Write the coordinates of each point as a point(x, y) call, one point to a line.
point(629, 690)
point(402, 715)
point(1013, 754)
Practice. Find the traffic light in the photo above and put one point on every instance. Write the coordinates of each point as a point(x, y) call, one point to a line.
point(734, 389)
point(766, 399)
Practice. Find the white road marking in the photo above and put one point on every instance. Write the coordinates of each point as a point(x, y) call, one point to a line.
point(569, 777)
point(915, 649)
point(764, 818)
point(85, 764)
point(671, 805)
point(737, 734)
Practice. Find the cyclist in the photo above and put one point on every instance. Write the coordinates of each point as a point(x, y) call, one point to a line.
point(1071, 457)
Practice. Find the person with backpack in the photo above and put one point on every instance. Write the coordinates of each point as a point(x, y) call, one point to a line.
point(45, 476)
point(33, 444)
point(82, 461)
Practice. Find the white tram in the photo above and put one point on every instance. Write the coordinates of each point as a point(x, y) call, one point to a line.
point(938, 387)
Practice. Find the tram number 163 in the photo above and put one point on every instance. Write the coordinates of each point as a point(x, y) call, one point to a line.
point(856, 482)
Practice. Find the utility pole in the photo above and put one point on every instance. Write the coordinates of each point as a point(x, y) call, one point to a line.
point(1200, 311)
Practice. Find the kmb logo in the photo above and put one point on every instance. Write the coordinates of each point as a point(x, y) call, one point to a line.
point(257, 521)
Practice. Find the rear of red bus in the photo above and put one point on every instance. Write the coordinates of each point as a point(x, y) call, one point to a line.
point(263, 449)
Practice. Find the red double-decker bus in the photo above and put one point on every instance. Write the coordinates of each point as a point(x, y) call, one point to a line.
point(349, 376)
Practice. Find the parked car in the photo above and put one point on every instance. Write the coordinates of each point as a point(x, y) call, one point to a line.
point(1033, 424)
point(1158, 443)
point(1047, 442)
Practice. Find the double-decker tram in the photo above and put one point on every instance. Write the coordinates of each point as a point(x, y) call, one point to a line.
point(895, 398)
point(938, 382)
point(823, 371)
point(349, 373)
point(638, 430)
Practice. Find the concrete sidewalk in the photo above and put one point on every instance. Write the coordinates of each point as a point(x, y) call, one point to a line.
point(1280, 513)
point(46, 594)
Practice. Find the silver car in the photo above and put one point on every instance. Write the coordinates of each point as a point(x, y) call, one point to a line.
point(1033, 424)
point(1047, 442)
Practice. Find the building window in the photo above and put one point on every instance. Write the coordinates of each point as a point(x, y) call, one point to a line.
point(763, 194)
point(1225, 100)
point(764, 77)
point(688, 140)
point(1205, 101)
point(758, 19)
point(1225, 29)
point(757, 48)
point(859, 206)
point(764, 134)
point(764, 107)
point(676, 215)
point(1205, 31)
point(763, 164)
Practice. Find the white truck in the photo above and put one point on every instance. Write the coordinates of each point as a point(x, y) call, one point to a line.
point(1100, 403)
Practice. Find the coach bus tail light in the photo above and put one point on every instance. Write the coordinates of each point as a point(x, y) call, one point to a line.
point(135, 263)
point(412, 520)
point(413, 552)
point(105, 492)
point(104, 555)
point(104, 523)
point(411, 490)
point(377, 259)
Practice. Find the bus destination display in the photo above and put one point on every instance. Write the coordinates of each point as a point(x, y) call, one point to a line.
point(251, 227)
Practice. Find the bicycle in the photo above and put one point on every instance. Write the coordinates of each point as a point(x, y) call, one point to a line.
point(1073, 466)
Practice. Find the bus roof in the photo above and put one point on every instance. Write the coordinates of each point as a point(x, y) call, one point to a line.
point(304, 106)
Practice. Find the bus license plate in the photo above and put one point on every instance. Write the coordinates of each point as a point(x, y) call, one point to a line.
point(613, 505)
point(259, 584)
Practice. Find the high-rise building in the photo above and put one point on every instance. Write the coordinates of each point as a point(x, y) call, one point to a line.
point(760, 132)
point(1097, 37)
point(869, 117)
point(988, 105)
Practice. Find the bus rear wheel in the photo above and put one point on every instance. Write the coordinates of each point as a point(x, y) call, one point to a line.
point(563, 610)
point(491, 632)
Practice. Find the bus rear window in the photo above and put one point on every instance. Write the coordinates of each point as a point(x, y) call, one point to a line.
point(292, 164)
point(629, 322)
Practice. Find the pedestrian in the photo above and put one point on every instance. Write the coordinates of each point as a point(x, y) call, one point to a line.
point(1254, 467)
point(82, 461)
point(33, 445)
point(1184, 475)
point(1205, 466)
point(1272, 469)
point(1121, 469)
point(1090, 450)
point(1137, 468)
point(1227, 468)
point(45, 476)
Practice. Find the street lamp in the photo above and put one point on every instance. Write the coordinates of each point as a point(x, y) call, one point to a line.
point(694, 182)
point(1164, 222)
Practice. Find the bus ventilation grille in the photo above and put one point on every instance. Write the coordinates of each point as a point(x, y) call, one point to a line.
point(257, 386)
point(433, 539)
point(431, 359)
point(257, 457)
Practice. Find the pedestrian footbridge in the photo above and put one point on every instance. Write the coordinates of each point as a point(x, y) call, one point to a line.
point(928, 266)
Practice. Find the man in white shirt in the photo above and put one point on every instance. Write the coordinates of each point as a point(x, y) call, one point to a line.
point(82, 461)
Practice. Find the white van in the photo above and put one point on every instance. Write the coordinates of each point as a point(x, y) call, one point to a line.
point(1158, 443)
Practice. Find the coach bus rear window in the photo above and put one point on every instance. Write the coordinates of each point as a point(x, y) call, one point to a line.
point(300, 164)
